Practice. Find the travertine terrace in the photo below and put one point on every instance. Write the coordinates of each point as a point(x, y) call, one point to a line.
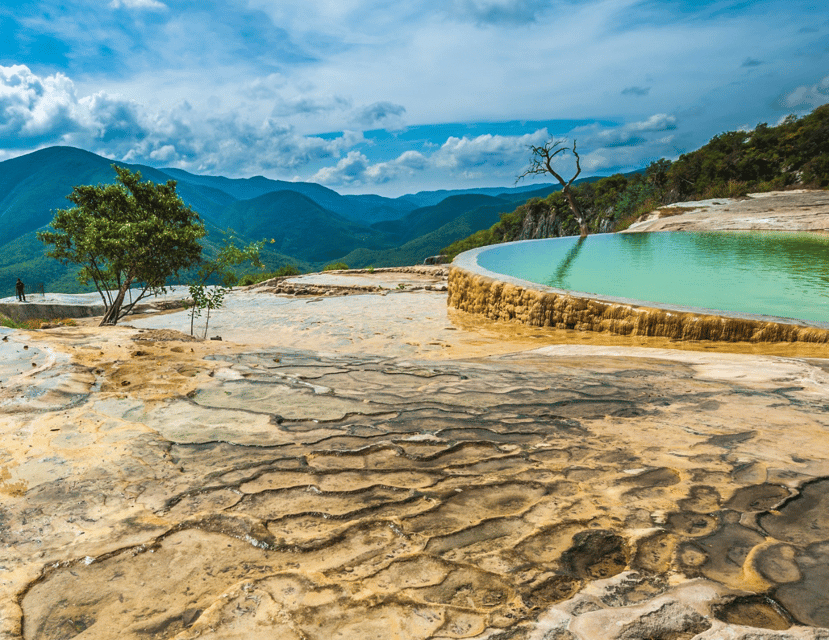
point(475, 290)
point(375, 466)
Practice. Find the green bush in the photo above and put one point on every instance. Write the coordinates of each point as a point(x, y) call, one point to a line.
point(254, 278)
point(336, 266)
point(287, 270)
point(36, 323)
point(9, 323)
point(730, 189)
point(816, 171)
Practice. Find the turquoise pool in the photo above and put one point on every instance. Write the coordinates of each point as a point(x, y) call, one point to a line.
point(760, 273)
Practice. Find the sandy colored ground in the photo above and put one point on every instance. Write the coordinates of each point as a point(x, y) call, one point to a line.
point(372, 466)
point(774, 211)
point(401, 322)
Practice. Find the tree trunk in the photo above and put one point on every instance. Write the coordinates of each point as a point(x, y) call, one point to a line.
point(576, 211)
point(206, 322)
point(111, 316)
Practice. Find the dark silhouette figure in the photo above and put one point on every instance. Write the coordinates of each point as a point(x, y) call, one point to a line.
point(21, 290)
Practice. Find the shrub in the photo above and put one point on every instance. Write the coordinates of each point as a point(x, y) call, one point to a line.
point(287, 270)
point(36, 323)
point(9, 323)
point(336, 266)
point(255, 278)
point(816, 171)
point(730, 189)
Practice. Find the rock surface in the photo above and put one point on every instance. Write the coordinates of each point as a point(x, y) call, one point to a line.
point(539, 306)
point(373, 466)
point(81, 305)
point(155, 486)
point(473, 290)
point(774, 211)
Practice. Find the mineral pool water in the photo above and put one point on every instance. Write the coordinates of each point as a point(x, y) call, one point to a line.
point(762, 273)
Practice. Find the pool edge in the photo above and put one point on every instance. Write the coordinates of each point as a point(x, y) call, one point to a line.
point(496, 296)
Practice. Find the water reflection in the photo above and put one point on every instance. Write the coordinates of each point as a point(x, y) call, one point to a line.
point(638, 252)
point(564, 266)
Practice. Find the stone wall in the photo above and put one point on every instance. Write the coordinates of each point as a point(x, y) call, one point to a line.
point(20, 311)
point(497, 300)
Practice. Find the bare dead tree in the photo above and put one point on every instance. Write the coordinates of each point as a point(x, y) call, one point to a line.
point(541, 162)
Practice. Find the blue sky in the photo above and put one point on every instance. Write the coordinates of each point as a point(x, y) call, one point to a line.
point(368, 96)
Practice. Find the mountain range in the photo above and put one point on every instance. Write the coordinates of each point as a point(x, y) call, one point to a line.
point(309, 224)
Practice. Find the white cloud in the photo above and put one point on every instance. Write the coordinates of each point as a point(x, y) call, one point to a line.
point(492, 150)
point(412, 160)
point(39, 111)
point(150, 5)
point(34, 108)
point(108, 117)
point(349, 170)
point(596, 161)
point(463, 158)
point(379, 114)
point(356, 170)
point(657, 122)
point(167, 153)
point(808, 97)
point(632, 134)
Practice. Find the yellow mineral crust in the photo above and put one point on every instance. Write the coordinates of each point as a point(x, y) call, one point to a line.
point(380, 465)
point(496, 300)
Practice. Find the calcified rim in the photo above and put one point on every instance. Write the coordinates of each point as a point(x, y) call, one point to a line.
point(468, 261)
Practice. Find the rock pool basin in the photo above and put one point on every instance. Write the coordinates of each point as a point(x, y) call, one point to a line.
point(747, 279)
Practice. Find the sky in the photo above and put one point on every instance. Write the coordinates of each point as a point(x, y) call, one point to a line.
point(371, 96)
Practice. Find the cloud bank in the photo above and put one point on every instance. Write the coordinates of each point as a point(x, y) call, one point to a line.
point(363, 94)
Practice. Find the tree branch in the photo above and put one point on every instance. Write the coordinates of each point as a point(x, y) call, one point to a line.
point(541, 162)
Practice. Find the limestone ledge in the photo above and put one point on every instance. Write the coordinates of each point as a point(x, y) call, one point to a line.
point(287, 288)
point(475, 293)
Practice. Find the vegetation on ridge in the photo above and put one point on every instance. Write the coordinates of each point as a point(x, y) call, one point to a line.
point(125, 233)
point(793, 154)
point(311, 226)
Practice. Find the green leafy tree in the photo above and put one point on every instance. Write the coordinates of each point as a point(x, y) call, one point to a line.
point(222, 269)
point(657, 173)
point(255, 278)
point(126, 233)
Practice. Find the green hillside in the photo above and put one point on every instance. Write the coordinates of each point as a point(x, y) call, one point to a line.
point(793, 154)
point(415, 250)
point(305, 231)
point(24, 258)
point(32, 186)
point(361, 209)
point(426, 219)
point(299, 226)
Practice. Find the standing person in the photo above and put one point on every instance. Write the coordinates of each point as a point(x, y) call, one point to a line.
point(21, 290)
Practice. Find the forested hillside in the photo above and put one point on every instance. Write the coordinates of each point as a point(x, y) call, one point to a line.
point(306, 226)
point(794, 153)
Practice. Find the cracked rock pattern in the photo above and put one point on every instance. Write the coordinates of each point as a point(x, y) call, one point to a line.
point(158, 488)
